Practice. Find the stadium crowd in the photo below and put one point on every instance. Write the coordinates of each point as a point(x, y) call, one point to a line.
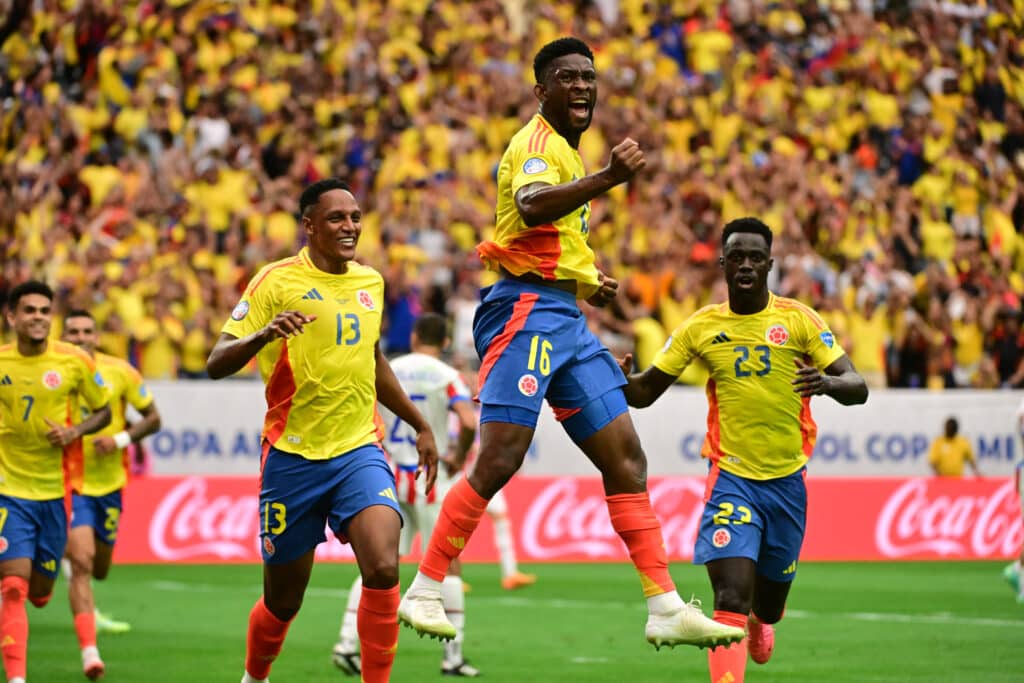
point(154, 151)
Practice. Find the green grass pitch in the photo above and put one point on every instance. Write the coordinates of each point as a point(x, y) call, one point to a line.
point(851, 623)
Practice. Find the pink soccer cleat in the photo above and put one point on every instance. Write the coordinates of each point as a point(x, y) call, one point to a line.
point(760, 640)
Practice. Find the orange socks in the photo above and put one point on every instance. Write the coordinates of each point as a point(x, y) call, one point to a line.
point(635, 523)
point(460, 513)
point(85, 627)
point(14, 625)
point(377, 622)
point(728, 664)
point(264, 641)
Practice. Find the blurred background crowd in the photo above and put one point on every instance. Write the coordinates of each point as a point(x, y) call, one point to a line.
point(153, 154)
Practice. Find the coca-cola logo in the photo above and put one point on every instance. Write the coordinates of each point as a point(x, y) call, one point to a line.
point(913, 522)
point(563, 520)
point(188, 523)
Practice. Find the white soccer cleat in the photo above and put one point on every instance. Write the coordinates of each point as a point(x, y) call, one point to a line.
point(689, 626)
point(424, 612)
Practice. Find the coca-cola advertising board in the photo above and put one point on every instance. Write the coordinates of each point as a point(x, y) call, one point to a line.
point(213, 428)
point(564, 519)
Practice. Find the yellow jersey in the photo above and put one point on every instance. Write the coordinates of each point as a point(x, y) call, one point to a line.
point(34, 389)
point(554, 251)
point(321, 384)
point(90, 473)
point(758, 427)
point(948, 456)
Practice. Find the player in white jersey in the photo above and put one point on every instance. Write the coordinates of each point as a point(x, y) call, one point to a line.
point(1014, 572)
point(437, 389)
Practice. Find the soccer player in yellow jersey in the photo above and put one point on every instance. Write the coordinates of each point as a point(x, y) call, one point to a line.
point(97, 473)
point(313, 323)
point(41, 384)
point(534, 344)
point(767, 356)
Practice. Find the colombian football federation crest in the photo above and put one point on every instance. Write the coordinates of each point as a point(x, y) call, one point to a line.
point(51, 379)
point(240, 311)
point(528, 385)
point(365, 300)
point(4, 545)
point(268, 545)
point(721, 538)
point(777, 334)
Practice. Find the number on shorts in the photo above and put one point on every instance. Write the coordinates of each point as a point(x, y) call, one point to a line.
point(113, 519)
point(3, 519)
point(279, 511)
point(545, 359)
point(725, 510)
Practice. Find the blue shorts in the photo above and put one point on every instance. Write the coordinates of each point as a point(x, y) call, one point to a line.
point(299, 497)
point(760, 520)
point(102, 513)
point(36, 529)
point(534, 343)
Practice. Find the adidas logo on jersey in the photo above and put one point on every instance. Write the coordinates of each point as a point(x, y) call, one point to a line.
point(6, 380)
point(720, 338)
point(313, 294)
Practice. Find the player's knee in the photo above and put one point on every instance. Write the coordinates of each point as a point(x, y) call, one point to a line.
point(100, 572)
point(82, 563)
point(768, 615)
point(380, 574)
point(40, 600)
point(283, 607)
point(732, 599)
point(13, 589)
point(494, 471)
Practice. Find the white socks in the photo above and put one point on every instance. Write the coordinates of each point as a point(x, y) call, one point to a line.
point(348, 637)
point(454, 600)
point(249, 679)
point(664, 603)
point(423, 583)
point(506, 548)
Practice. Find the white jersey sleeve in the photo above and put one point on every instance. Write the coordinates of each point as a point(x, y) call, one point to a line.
point(434, 388)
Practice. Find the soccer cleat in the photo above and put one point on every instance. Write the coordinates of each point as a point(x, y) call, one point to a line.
point(464, 669)
point(1012, 577)
point(92, 665)
point(106, 624)
point(518, 580)
point(761, 641)
point(689, 626)
point(348, 662)
point(424, 612)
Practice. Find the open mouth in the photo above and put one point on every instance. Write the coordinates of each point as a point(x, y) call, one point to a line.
point(347, 242)
point(745, 280)
point(580, 108)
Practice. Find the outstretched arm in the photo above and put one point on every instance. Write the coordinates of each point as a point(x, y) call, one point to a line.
point(643, 389)
point(393, 397)
point(840, 380)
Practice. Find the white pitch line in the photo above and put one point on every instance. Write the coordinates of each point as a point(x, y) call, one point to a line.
point(939, 618)
point(589, 660)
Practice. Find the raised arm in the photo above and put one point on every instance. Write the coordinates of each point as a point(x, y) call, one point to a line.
point(230, 353)
point(642, 389)
point(840, 380)
point(391, 395)
point(540, 203)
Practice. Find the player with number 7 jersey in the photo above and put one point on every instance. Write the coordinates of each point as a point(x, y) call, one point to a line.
point(313, 323)
point(42, 384)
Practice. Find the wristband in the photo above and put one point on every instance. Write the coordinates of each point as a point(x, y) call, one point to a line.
point(122, 439)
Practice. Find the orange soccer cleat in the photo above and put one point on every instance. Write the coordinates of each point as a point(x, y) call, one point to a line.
point(518, 580)
point(761, 640)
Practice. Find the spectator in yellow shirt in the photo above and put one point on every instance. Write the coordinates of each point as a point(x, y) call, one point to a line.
point(951, 451)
